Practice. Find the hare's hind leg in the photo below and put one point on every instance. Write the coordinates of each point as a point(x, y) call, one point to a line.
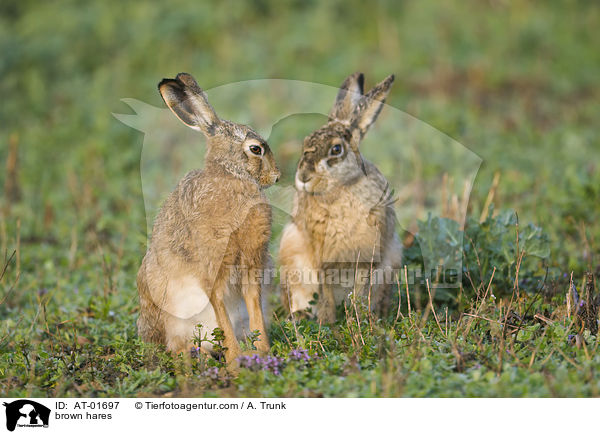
point(217, 300)
point(251, 291)
point(299, 276)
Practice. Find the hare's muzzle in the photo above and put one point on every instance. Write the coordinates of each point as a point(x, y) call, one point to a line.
point(304, 177)
point(270, 177)
point(303, 181)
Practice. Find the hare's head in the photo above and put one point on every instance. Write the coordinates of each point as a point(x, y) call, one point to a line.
point(236, 147)
point(330, 155)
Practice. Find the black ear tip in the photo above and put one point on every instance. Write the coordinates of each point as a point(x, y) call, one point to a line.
point(165, 81)
point(391, 78)
point(360, 79)
point(162, 82)
point(181, 80)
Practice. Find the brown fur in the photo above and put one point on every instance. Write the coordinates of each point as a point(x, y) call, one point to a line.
point(213, 227)
point(343, 216)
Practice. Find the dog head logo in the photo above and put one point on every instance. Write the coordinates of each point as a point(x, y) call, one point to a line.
point(26, 413)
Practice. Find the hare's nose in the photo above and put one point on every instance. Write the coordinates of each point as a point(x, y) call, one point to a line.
point(304, 177)
point(277, 178)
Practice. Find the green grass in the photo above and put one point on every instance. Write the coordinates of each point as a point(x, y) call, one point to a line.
point(514, 82)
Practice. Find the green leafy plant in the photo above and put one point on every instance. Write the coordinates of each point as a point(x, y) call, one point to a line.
point(498, 246)
point(502, 244)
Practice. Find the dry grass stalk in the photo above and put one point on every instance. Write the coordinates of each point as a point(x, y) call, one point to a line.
point(490, 197)
point(433, 308)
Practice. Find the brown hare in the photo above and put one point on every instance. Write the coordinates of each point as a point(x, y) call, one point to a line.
point(343, 221)
point(209, 242)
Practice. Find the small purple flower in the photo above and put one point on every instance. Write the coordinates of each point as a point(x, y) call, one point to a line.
point(272, 363)
point(195, 352)
point(249, 362)
point(256, 363)
point(299, 354)
point(212, 373)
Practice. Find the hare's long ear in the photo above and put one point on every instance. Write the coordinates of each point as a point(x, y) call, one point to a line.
point(369, 106)
point(348, 97)
point(188, 101)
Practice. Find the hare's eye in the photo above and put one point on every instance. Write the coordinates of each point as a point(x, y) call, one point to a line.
point(256, 150)
point(336, 150)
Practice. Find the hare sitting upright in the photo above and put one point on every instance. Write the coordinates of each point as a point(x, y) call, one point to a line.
point(209, 242)
point(343, 223)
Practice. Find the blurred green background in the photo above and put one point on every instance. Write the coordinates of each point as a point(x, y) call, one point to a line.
point(514, 81)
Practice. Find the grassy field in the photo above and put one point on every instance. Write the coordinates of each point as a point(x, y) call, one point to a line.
point(514, 82)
